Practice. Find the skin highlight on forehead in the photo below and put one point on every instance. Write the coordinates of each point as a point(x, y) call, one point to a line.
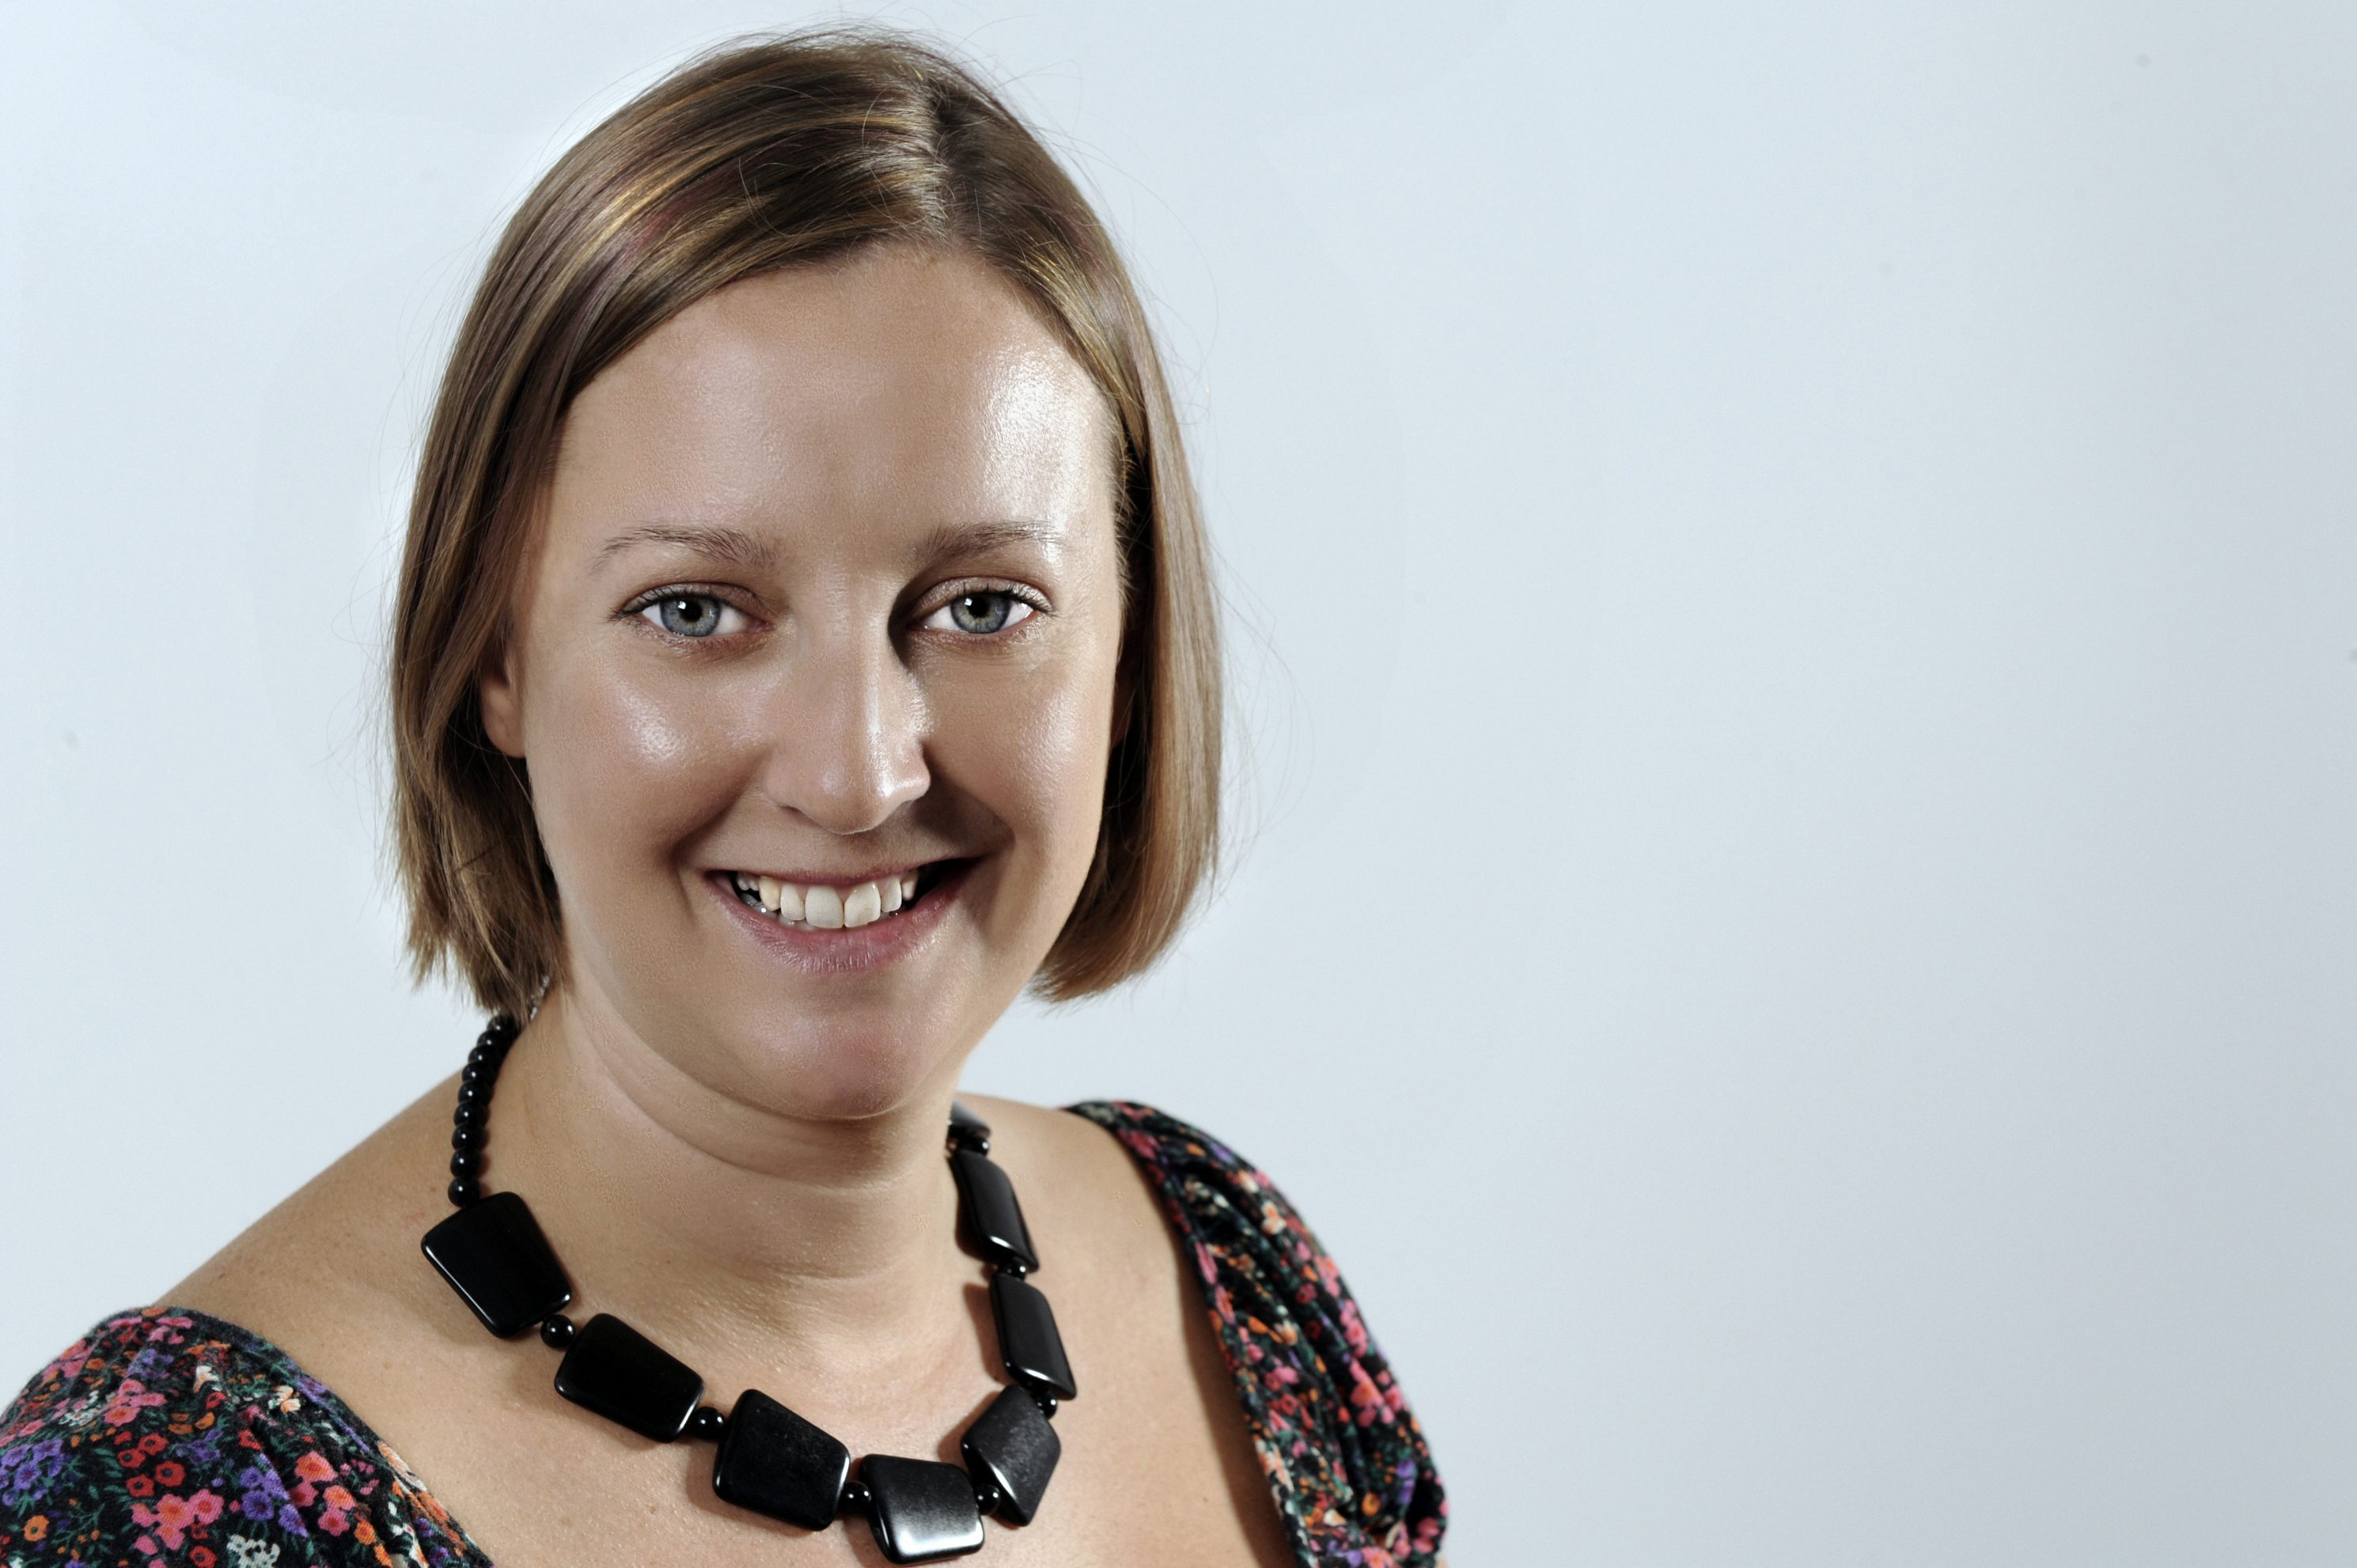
point(984, 423)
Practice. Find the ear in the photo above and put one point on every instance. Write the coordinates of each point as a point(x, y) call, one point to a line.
point(499, 691)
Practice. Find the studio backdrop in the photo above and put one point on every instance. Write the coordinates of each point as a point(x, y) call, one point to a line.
point(1793, 589)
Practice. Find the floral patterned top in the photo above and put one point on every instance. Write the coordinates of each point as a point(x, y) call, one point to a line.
point(167, 1437)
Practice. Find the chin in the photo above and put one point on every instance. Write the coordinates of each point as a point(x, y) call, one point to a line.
point(846, 1075)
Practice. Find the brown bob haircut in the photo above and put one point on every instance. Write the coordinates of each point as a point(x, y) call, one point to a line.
point(772, 153)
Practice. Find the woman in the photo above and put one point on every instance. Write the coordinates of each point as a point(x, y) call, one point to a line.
point(804, 643)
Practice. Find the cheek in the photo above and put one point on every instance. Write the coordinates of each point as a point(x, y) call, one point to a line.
point(621, 770)
point(1037, 760)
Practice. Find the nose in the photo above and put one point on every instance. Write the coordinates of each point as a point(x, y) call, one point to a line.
point(846, 737)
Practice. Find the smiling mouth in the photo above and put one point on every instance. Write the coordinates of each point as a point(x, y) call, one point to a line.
point(827, 907)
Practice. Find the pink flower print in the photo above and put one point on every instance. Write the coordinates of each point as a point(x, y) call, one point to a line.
point(173, 1514)
point(129, 1400)
point(69, 1366)
point(1354, 1328)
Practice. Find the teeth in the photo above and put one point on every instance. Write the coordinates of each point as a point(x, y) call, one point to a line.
point(825, 908)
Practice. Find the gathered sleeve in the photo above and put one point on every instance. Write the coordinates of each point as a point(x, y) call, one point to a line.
point(167, 1437)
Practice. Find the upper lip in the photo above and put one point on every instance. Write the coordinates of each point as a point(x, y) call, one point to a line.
point(832, 878)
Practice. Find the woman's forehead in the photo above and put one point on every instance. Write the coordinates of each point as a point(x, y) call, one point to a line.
point(897, 389)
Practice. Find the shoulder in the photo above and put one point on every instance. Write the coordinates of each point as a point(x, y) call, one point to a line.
point(1349, 1465)
point(170, 1432)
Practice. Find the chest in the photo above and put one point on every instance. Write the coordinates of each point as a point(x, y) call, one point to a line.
point(1141, 1480)
point(1156, 1464)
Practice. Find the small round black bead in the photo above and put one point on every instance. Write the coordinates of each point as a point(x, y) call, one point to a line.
point(706, 1423)
point(557, 1331)
point(1047, 1403)
point(986, 1497)
point(1011, 1267)
point(469, 1115)
point(464, 1190)
point(464, 1137)
point(474, 1094)
point(465, 1162)
point(475, 1072)
point(854, 1497)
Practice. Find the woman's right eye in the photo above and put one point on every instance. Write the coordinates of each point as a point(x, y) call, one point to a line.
point(694, 615)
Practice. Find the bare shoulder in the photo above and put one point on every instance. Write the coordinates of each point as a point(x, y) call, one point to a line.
point(1136, 1324)
point(1360, 1469)
point(328, 1255)
point(1091, 1211)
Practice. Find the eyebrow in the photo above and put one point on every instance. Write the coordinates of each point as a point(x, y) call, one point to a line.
point(981, 538)
point(717, 541)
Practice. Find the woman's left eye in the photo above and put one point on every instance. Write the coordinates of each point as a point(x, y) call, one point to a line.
point(694, 615)
point(981, 612)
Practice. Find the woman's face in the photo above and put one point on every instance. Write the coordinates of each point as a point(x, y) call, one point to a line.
point(822, 618)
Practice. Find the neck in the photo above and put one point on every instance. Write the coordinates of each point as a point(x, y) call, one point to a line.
point(724, 1227)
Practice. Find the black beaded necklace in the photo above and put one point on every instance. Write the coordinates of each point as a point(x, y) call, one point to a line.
point(772, 1460)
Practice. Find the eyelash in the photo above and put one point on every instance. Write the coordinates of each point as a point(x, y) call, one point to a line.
point(1030, 603)
point(638, 607)
point(1033, 603)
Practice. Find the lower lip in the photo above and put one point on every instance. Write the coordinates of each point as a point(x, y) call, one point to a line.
point(852, 951)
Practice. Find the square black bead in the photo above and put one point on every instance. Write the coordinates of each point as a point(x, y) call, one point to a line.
point(1028, 1340)
point(968, 1130)
point(494, 1256)
point(1012, 1446)
point(921, 1508)
point(774, 1462)
point(614, 1369)
point(993, 1221)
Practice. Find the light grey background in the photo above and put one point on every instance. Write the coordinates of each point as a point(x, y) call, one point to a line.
point(1795, 602)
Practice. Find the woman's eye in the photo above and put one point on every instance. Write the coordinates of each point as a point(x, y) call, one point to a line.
point(982, 612)
point(693, 614)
